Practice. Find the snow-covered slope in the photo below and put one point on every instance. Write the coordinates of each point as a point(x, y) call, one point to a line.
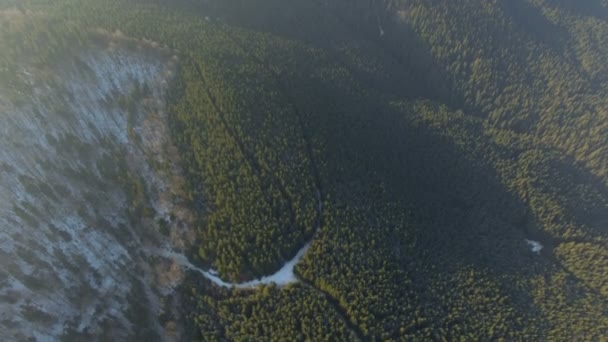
point(79, 153)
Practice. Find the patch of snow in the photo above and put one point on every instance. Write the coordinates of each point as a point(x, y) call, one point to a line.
point(535, 246)
point(67, 245)
point(282, 277)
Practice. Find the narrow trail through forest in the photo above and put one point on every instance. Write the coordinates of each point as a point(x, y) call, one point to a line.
point(285, 84)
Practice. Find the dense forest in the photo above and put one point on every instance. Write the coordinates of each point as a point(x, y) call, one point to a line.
point(418, 144)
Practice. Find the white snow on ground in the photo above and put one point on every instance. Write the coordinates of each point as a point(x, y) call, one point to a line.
point(67, 247)
point(535, 246)
point(282, 277)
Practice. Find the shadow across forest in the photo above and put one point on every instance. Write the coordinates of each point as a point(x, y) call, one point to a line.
point(586, 8)
point(582, 194)
point(346, 32)
point(534, 22)
point(460, 216)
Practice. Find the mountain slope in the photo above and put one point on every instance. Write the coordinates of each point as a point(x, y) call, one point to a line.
point(420, 146)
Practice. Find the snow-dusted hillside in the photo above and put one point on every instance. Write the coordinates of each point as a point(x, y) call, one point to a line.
point(83, 150)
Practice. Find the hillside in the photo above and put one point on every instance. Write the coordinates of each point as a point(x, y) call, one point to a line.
point(304, 170)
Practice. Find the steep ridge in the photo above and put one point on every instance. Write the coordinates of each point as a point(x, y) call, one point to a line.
point(78, 169)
